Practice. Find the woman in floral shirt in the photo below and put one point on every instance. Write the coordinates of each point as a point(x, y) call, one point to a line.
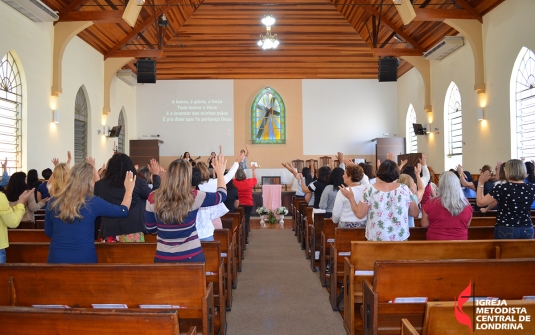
point(388, 205)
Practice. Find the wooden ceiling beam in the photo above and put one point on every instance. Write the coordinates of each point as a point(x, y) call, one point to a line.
point(390, 52)
point(156, 53)
point(71, 7)
point(97, 16)
point(139, 28)
point(391, 25)
point(425, 14)
point(470, 9)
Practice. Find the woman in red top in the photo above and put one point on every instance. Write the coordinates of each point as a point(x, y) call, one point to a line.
point(448, 216)
point(245, 193)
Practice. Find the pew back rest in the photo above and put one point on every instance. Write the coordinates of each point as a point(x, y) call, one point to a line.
point(81, 321)
point(82, 285)
point(440, 319)
point(444, 280)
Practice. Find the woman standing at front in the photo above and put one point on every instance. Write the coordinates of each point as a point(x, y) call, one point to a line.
point(387, 204)
point(245, 194)
point(172, 210)
point(514, 199)
point(70, 216)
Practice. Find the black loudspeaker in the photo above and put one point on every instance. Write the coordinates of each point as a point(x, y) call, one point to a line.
point(388, 69)
point(146, 71)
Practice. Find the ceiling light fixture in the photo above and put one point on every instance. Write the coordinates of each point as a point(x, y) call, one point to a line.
point(268, 41)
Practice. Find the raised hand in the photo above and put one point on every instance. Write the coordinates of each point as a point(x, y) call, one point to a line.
point(129, 182)
point(69, 157)
point(154, 167)
point(418, 169)
point(220, 149)
point(240, 157)
point(4, 164)
point(349, 162)
point(55, 161)
point(484, 177)
point(219, 164)
point(390, 156)
point(91, 161)
point(23, 198)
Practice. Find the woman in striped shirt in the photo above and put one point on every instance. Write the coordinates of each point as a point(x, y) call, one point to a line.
point(172, 209)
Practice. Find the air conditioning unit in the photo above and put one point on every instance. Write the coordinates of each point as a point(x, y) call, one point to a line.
point(127, 76)
point(35, 10)
point(448, 45)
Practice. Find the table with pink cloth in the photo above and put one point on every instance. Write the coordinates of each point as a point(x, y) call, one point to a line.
point(271, 196)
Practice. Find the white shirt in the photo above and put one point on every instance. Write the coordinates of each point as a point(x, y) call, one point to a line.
point(342, 207)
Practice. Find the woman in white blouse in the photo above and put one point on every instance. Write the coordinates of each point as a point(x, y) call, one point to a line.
point(342, 213)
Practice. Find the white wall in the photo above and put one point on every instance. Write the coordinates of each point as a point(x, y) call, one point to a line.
point(505, 30)
point(345, 115)
point(32, 44)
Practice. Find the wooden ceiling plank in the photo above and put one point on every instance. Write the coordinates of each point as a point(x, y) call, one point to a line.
point(471, 9)
point(137, 29)
point(392, 26)
point(97, 16)
point(425, 14)
point(157, 53)
point(397, 52)
point(72, 6)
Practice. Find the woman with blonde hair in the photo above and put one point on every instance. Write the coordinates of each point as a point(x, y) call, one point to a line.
point(59, 178)
point(171, 212)
point(71, 214)
point(447, 216)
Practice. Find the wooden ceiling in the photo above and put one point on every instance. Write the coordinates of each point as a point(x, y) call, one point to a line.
point(216, 39)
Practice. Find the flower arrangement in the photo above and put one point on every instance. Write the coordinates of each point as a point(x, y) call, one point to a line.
point(271, 217)
point(262, 211)
point(282, 210)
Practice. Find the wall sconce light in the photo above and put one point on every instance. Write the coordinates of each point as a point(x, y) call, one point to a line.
point(480, 114)
point(55, 116)
point(428, 128)
point(106, 131)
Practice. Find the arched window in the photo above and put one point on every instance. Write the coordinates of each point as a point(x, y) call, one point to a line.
point(410, 140)
point(121, 139)
point(80, 126)
point(453, 126)
point(523, 105)
point(10, 113)
point(268, 118)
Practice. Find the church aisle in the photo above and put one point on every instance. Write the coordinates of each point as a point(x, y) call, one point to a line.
point(277, 292)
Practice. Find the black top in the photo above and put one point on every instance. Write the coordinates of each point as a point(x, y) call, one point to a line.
point(318, 190)
point(514, 203)
point(232, 195)
point(487, 187)
point(135, 221)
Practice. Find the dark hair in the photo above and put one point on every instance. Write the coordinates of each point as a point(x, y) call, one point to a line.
point(16, 186)
point(196, 177)
point(46, 173)
point(323, 174)
point(501, 173)
point(205, 173)
point(388, 171)
point(409, 170)
point(32, 176)
point(144, 174)
point(116, 170)
point(530, 168)
point(336, 178)
point(368, 171)
point(307, 175)
point(184, 156)
point(355, 173)
point(230, 185)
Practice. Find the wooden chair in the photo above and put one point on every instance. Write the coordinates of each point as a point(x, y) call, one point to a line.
point(314, 161)
point(298, 164)
point(325, 161)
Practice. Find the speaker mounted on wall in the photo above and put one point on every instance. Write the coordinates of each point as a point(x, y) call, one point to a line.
point(388, 69)
point(146, 71)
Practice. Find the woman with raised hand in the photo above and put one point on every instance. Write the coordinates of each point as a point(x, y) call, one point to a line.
point(447, 216)
point(15, 187)
point(245, 194)
point(172, 210)
point(336, 179)
point(387, 204)
point(71, 214)
point(514, 199)
point(342, 213)
point(111, 188)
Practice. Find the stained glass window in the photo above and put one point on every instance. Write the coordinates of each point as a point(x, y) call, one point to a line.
point(10, 112)
point(524, 102)
point(268, 118)
point(411, 140)
point(80, 126)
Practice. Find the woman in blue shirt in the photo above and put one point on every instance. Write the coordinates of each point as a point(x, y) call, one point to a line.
point(70, 216)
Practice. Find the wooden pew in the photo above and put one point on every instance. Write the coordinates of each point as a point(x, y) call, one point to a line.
point(238, 224)
point(297, 213)
point(39, 219)
point(88, 321)
point(476, 221)
point(300, 224)
point(439, 319)
point(243, 234)
point(327, 236)
point(136, 253)
point(233, 227)
point(314, 240)
point(364, 254)
point(227, 254)
point(81, 285)
point(438, 280)
point(306, 231)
